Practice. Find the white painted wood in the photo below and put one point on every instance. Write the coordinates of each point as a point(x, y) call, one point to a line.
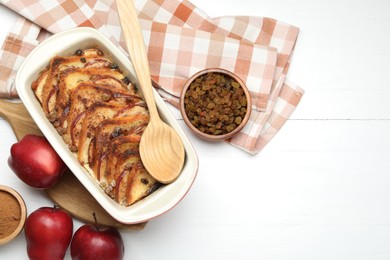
point(320, 189)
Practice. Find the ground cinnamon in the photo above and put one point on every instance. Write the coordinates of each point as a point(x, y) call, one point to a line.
point(10, 214)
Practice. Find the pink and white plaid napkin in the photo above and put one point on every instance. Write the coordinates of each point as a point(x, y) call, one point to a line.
point(181, 40)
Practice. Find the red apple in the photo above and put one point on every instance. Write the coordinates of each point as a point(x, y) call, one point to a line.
point(35, 162)
point(48, 233)
point(92, 242)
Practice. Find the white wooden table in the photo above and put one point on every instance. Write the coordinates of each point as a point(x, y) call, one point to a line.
point(320, 188)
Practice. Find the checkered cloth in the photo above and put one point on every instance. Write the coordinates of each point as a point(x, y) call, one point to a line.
point(181, 40)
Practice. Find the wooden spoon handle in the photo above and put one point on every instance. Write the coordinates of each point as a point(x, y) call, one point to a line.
point(136, 48)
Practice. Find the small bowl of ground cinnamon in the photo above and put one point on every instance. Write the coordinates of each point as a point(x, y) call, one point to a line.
point(215, 104)
point(13, 214)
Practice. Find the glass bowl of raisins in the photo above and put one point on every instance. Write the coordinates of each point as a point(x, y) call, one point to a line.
point(215, 104)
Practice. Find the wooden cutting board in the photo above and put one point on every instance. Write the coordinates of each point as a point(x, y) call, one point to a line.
point(68, 193)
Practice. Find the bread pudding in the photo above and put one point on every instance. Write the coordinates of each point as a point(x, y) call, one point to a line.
point(101, 117)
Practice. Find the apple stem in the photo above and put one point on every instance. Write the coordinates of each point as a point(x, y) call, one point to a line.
point(94, 217)
point(55, 206)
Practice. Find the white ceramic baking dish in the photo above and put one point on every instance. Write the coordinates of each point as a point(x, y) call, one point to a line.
point(66, 43)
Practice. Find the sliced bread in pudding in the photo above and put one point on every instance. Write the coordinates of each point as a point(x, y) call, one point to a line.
point(84, 96)
point(81, 59)
point(101, 117)
point(125, 176)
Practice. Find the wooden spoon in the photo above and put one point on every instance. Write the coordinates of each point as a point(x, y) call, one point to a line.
point(161, 148)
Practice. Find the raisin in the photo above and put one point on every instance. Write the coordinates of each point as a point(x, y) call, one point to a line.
point(144, 181)
point(215, 103)
point(126, 80)
point(79, 52)
point(114, 67)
